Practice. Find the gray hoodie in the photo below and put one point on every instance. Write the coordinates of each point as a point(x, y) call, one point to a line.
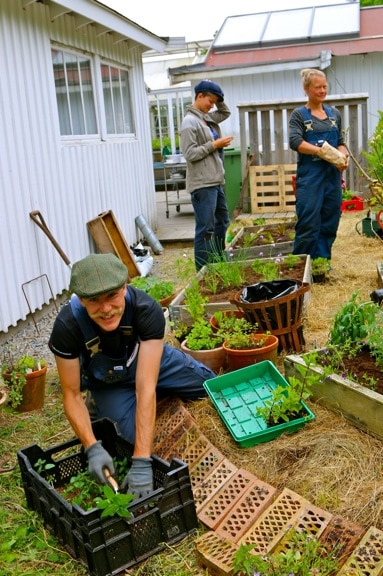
point(204, 165)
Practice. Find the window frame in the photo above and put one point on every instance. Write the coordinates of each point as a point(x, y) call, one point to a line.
point(98, 94)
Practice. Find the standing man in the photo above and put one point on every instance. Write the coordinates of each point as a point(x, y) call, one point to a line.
point(109, 339)
point(202, 145)
point(316, 134)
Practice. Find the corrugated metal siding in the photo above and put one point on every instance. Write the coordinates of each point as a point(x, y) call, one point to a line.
point(69, 183)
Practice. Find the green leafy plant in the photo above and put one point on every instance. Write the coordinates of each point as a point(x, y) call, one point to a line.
point(354, 321)
point(202, 336)
point(320, 265)
point(291, 260)
point(374, 156)
point(156, 288)
point(82, 490)
point(113, 504)
point(269, 270)
point(14, 372)
point(304, 556)
point(285, 403)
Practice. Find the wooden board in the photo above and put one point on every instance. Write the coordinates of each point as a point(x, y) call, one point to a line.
point(271, 188)
point(109, 239)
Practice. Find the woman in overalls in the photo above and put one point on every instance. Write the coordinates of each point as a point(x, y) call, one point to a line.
point(318, 183)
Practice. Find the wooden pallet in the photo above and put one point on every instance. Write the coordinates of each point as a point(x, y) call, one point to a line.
point(271, 188)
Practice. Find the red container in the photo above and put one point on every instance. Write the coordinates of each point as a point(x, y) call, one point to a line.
point(354, 205)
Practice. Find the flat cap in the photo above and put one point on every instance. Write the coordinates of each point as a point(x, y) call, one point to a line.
point(97, 274)
point(212, 87)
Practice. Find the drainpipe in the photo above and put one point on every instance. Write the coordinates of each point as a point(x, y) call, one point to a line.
point(149, 235)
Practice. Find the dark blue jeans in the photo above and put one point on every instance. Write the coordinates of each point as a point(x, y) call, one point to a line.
point(211, 223)
point(180, 375)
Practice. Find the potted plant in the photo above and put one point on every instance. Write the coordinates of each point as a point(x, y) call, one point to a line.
point(319, 269)
point(241, 342)
point(25, 377)
point(160, 290)
point(205, 345)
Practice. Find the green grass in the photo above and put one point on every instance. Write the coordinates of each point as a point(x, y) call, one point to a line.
point(26, 546)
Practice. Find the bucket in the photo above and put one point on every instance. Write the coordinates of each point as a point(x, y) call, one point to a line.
point(368, 227)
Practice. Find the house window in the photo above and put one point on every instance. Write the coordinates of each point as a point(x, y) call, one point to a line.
point(117, 101)
point(74, 93)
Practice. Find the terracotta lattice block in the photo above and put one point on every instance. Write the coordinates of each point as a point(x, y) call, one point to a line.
point(246, 510)
point(312, 521)
point(205, 465)
point(215, 554)
point(341, 537)
point(167, 421)
point(219, 505)
point(274, 522)
point(212, 483)
point(367, 558)
point(180, 446)
point(166, 447)
point(196, 452)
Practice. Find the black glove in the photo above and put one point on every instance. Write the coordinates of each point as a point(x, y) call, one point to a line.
point(139, 479)
point(98, 459)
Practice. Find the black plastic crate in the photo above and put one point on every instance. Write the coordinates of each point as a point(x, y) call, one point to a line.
point(106, 546)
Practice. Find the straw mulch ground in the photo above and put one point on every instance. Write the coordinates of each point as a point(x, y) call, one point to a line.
point(329, 462)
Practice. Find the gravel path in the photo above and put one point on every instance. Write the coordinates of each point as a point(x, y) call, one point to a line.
point(26, 339)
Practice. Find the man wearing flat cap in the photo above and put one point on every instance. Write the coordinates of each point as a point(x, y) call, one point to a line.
point(202, 145)
point(108, 339)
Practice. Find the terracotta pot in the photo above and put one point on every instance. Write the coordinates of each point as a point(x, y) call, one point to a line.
point(240, 358)
point(237, 313)
point(164, 302)
point(33, 390)
point(214, 359)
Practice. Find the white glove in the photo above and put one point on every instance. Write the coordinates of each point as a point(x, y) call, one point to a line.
point(332, 155)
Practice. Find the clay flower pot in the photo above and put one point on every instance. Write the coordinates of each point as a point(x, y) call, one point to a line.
point(240, 358)
point(215, 359)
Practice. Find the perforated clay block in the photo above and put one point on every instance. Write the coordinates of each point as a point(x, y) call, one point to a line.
point(191, 446)
point(311, 520)
point(340, 538)
point(367, 558)
point(205, 465)
point(221, 503)
point(215, 554)
point(245, 512)
point(212, 483)
point(275, 521)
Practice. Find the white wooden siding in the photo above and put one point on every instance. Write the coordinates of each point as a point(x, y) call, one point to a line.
point(68, 182)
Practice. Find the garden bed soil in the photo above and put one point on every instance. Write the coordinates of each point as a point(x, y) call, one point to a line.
point(222, 294)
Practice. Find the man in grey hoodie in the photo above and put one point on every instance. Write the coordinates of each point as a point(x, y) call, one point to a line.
point(202, 145)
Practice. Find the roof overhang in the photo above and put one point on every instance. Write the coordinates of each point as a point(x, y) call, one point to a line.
point(199, 71)
point(106, 20)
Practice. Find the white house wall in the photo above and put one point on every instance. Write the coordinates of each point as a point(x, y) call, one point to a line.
point(346, 75)
point(69, 183)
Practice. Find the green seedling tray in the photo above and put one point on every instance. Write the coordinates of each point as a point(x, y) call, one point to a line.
point(238, 394)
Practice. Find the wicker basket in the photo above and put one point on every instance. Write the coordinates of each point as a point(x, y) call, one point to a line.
point(280, 316)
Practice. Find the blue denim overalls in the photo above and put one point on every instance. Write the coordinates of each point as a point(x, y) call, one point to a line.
point(319, 193)
point(112, 381)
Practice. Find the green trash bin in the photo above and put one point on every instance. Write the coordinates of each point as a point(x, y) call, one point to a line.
point(233, 177)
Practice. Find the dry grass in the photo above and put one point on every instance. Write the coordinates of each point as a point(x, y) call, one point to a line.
point(329, 462)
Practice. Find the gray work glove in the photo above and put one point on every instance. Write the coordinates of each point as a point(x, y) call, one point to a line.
point(98, 459)
point(139, 479)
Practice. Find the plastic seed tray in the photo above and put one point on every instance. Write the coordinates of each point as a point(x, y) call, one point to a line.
point(238, 394)
point(107, 546)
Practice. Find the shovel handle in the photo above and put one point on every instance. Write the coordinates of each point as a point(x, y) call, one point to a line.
point(38, 219)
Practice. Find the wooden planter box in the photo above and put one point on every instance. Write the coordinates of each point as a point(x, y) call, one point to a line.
point(361, 406)
point(179, 314)
point(261, 250)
